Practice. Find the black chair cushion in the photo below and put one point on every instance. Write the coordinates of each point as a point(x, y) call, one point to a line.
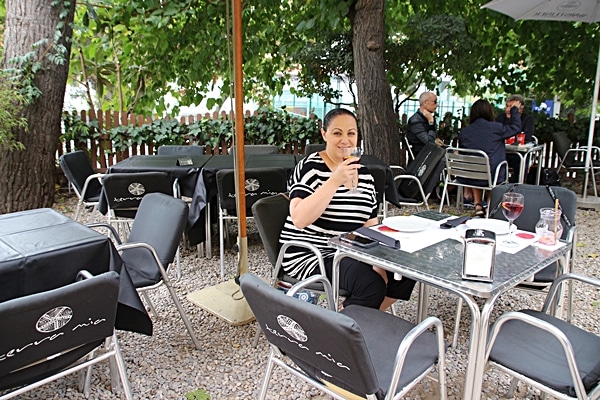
point(537, 354)
point(297, 328)
point(376, 327)
point(260, 183)
point(77, 169)
point(161, 230)
point(125, 191)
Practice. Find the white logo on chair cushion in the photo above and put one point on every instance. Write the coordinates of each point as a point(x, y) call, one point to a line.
point(54, 319)
point(292, 328)
point(421, 170)
point(136, 189)
point(252, 184)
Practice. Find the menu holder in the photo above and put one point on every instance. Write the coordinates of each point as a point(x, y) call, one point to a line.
point(185, 161)
point(479, 255)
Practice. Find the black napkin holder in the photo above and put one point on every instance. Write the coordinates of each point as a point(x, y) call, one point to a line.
point(185, 161)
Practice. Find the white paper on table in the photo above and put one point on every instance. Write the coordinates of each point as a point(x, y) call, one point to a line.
point(478, 260)
point(521, 242)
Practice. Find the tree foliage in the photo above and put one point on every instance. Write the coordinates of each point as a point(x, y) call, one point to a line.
point(135, 52)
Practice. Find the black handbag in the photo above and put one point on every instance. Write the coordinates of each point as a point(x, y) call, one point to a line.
point(421, 167)
point(548, 176)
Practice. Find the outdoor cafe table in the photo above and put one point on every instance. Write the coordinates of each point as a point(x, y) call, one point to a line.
point(525, 153)
point(42, 250)
point(187, 177)
point(440, 265)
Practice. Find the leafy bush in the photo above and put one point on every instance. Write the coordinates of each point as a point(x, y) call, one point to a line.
point(267, 127)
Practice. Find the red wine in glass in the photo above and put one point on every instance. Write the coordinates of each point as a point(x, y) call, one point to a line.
point(512, 206)
point(512, 210)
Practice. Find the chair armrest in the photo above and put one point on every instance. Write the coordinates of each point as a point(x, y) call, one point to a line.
point(399, 178)
point(539, 324)
point(82, 275)
point(296, 243)
point(137, 245)
point(397, 170)
point(97, 176)
point(315, 279)
point(410, 338)
point(111, 229)
point(560, 280)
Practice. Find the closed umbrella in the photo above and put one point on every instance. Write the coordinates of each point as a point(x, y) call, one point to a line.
point(559, 10)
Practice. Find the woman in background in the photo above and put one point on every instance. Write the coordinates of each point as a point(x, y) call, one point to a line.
point(323, 205)
point(484, 133)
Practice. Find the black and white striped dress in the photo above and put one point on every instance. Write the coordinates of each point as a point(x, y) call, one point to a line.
point(346, 211)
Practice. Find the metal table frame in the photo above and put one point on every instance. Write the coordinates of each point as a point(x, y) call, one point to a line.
point(525, 154)
point(440, 265)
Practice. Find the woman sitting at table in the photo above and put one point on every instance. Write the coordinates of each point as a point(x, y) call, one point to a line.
point(323, 205)
point(483, 133)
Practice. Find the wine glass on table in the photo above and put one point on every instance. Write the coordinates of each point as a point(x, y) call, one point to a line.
point(352, 152)
point(512, 207)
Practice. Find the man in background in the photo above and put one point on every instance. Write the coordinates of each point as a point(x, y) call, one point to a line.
point(528, 127)
point(420, 131)
point(421, 128)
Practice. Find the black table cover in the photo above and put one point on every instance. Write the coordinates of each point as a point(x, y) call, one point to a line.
point(42, 250)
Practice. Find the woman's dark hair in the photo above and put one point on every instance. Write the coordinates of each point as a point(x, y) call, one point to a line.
point(481, 109)
point(332, 114)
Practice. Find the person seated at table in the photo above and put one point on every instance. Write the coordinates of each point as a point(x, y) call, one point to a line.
point(527, 127)
point(421, 129)
point(323, 205)
point(483, 133)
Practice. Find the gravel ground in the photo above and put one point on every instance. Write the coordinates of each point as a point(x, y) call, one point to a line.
point(167, 365)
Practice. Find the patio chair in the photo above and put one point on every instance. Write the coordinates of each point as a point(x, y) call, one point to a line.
point(260, 183)
point(470, 164)
point(49, 335)
point(82, 177)
point(546, 352)
point(124, 191)
point(151, 247)
point(313, 148)
point(573, 159)
point(357, 353)
point(177, 150)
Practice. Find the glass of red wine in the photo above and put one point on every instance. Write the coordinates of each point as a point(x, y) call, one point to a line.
point(512, 206)
point(352, 152)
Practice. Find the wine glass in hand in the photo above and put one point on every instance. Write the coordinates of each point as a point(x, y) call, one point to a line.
point(512, 206)
point(352, 152)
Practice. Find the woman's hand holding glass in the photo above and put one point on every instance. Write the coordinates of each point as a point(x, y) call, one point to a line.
point(352, 153)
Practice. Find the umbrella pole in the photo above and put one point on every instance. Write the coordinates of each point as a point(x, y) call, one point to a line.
point(239, 135)
point(588, 157)
point(225, 299)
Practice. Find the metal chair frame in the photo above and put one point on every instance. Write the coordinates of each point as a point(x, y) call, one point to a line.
point(549, 325)
point(255, 291)
point(469, 164)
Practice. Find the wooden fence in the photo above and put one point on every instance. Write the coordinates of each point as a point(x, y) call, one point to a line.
point(102, 151)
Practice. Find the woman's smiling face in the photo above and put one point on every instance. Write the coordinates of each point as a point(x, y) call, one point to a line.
point(341, 133)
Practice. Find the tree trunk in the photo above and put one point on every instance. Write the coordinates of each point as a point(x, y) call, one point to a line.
point(27, 179)
point(378, 123)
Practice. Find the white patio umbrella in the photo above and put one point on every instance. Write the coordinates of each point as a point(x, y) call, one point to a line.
point(559, 10)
